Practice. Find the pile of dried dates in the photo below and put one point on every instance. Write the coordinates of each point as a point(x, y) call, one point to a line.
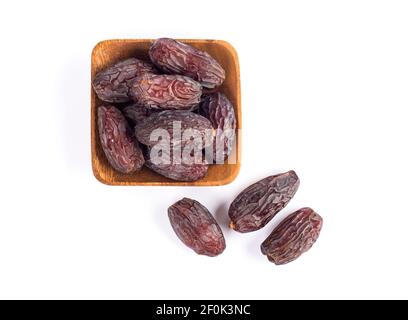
point(165, 113)
point(156, 114)
point(251, 210)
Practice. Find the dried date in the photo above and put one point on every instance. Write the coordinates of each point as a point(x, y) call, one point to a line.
point(196, 227)
point(118, 141)
point(219, 110)
point(136, 113)
point(176, 167)
point(293, 236)
point(113, 83)
point(166, 92)
point(176, 57)
point(255, 206)
point(175, 128)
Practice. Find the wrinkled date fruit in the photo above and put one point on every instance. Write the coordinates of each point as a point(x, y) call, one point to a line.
point(179, 170)
point(136, 113)
point(166, 92)
point(196, 227)
point(175, 57)
point(219, 110)
point(113, 83)
point(175, 127)
point(254, 207)
point(117, 140)
point(293, 236)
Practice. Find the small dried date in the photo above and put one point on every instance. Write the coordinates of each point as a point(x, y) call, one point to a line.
point(176, 57)
point(196, 227)
point(117, 140)
point(136, 113)
point(176, 169)
point(255, 206)
point(219, 110)
point(293, 236)
point(174, 127)
point(113, 83)
point(166, 92)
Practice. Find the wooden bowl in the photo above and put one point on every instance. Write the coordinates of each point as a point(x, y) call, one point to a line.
point(107, 53)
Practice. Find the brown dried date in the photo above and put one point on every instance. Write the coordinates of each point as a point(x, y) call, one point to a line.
point(196, 227)
point(255, 206)
point(176, 169)
point(136, 113)
point(117, 140)
point(176, 57)
point(113, 83)
point(180, 172)
point(219, 110)
point(166, 92)
point(175, 127)
point(293, 236)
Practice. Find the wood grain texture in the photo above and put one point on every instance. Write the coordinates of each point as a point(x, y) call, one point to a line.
point(108, 52)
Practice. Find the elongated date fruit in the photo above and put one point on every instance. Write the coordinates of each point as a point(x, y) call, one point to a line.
point(293, 236)
point(196, 227)
point(178, 169)
point(219, 110)
point(175, 127)
point(254, 207)
point(166, 92)
point(176, 57)
point(113, 84)
point(118, 141)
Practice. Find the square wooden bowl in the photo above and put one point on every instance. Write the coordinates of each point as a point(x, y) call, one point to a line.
point(108, 52)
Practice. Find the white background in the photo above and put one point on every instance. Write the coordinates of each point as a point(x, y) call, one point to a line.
point(324, 92)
